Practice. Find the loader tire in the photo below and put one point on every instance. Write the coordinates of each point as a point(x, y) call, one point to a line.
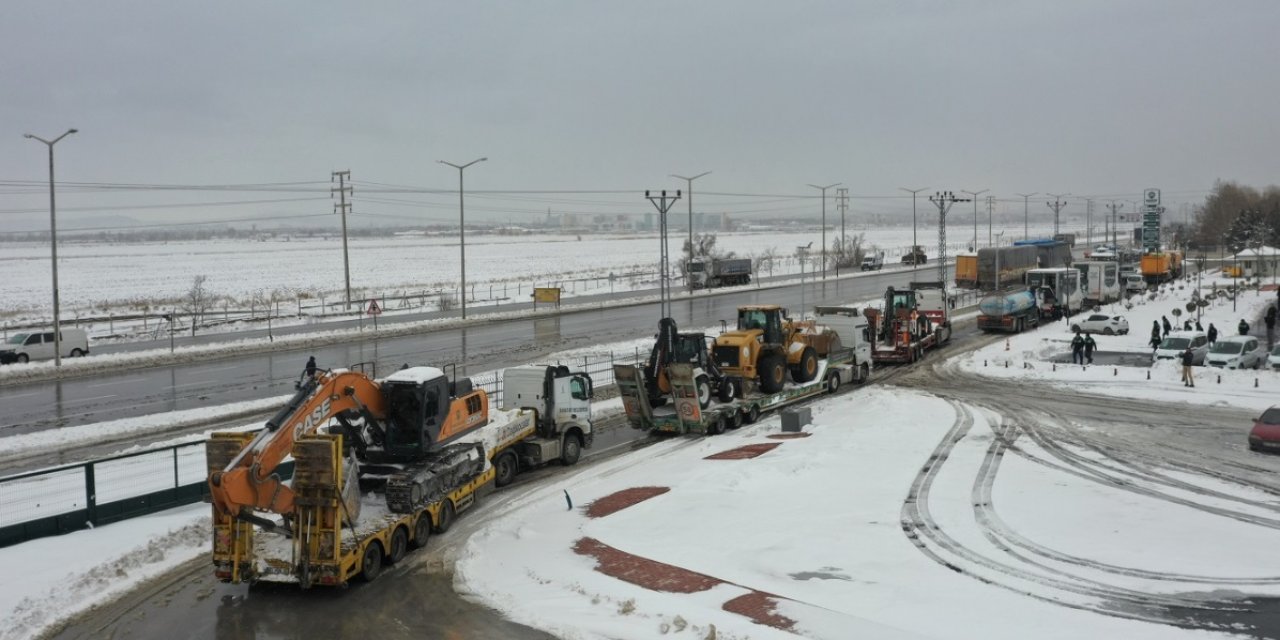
point(807, 369)
point(728, 390)
point(703, 386)
point(773, 372)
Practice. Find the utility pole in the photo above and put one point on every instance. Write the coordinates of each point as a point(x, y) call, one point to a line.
point(690, 181)
point(1025, 216)
point(343, 207)
point(53, 245)
point(999, 237)
point(974, 198)
point(1088, 222)
point(462, 230)
point(663, 203)
point(991, 201)
point(914, 243)
point(1114, 222)
point(824, 224)
point(842, 202)
point(943, 200)
point(1057, 205)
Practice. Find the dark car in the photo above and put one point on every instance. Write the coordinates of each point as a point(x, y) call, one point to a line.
point(1266, 431)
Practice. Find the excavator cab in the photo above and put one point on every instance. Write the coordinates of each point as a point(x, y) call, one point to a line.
point(415, 411)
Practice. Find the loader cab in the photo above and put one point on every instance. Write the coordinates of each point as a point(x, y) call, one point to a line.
point(900, 302)
point(767, 319)
point(417, 402)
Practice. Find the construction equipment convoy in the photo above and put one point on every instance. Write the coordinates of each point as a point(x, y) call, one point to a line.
point(719, 272)
point(669, 347)
point(912, 321)
point(846, 357)
point(378, 466)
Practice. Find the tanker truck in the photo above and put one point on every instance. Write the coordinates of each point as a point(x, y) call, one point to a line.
point(1012, 310)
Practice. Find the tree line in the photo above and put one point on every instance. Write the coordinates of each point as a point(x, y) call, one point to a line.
point(1238, 216)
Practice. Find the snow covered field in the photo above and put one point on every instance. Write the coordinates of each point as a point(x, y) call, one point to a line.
point(1029, 355)
point(854, 532)
point(96, 278)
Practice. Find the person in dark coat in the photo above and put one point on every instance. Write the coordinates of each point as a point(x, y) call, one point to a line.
point(1244, 327)
point(1186, 326)
point(310, 370)
point(1188, 358)
point(1213, 333)
point(1155, 328)
point(1089, 346)
point(1167, 325)
point(1077, 349)
point(1154, 342)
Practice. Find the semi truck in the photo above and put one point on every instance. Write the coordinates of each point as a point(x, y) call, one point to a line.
point(687, 412)
point(719, 272)
point(1060, 290)
point(992, 266)
point(379, 465)
point(1100, 280)
point(913, 321)
point(1160, 267)
point(1049, 253)
point(1013, 310)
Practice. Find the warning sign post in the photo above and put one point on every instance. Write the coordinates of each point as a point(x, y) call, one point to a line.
point(375, 311)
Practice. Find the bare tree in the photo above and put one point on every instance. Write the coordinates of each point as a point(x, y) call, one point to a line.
point(849, 253)
point(197, 301)
point(766, 259)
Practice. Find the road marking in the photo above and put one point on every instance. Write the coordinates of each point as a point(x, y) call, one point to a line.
point(70, 402)
point(232, 366)
point(22, 395)
point(190, 384)
point(104, 384)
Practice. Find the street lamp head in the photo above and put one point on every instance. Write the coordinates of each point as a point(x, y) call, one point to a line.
point(73, 131)
point(27, 135)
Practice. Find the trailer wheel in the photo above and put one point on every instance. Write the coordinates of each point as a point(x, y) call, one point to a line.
point(505, 468)
point(446, 516)
point(399, 545)
point(735, 420)
point(703, 386)
point(833, 383)
point(570, 450)
point(773, 372)
point(421, 530)
point(717, 426)
point(371, 565)
point(751, 415)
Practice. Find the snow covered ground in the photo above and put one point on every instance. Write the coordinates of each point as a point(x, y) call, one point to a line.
point(895, 519)
point(1029, 355)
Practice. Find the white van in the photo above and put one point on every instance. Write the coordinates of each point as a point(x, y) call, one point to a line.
point(1236, 352)
point(25, 347)
point(1178, 341)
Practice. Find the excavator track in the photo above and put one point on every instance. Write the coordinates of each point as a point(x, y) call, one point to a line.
point(421, 483)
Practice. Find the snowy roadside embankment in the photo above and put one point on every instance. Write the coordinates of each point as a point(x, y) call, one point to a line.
point(1036, 354)
point(843, 534)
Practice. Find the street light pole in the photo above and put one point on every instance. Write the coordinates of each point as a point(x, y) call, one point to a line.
point(975, 195)
point(53, 244)
point(914, 242)
point(462, 230)
point(824, 224)
point(690, 190)
point(1025, 216)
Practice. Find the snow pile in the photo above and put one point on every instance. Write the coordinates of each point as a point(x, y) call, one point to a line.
point(807, 539)
point(1032, 354)
point(57, 578)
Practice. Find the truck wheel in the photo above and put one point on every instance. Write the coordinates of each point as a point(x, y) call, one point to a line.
point(734, 421)
point(421, 530)
point(773, 372)
point(446, 516)
point(751, 415)
point(371, 565)
point(571, 450)
point(399, 545)
point(505, 469)
point(703, 387)
point(717, 426)
point(864, 373)
point(833, 383)
point(807, 368)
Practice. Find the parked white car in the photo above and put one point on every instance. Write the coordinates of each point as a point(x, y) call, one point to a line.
point(1236, 352)
point(25, 347)
point(1177, 342)
point(1273, 360)
point(1134, 283)
point(1102, 323)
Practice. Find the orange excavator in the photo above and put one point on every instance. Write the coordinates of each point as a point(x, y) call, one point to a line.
point(399, 432)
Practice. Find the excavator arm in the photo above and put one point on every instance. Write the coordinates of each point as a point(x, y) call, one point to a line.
point(250, 482)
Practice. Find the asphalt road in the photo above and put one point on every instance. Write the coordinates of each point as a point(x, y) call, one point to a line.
point(26, 408)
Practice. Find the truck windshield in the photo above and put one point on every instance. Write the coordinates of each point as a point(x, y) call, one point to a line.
point(1226, 347)
point(1175, 343)
point(17, 338)
point(695, 267)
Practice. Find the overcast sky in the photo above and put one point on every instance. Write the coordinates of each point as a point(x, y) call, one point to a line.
point(1086, 97)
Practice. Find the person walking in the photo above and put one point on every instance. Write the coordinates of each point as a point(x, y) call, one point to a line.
point(1154, 342)
point(1270, 320)
point(1244, 327)
point(1188, 357)
point(1213, 333)
point(310, 370)
point(1155, 328)
point(1167, 325)
point(1186, 326)
point(1089, 346)
point(1077, 349)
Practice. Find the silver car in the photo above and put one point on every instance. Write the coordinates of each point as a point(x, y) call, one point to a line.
point(1236, 352)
